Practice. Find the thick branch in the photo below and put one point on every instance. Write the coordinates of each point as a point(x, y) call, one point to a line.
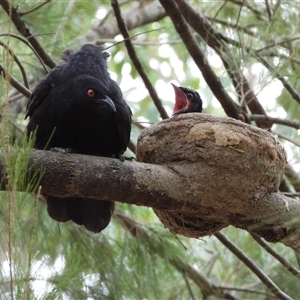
point(216, 172)
point(134, 17)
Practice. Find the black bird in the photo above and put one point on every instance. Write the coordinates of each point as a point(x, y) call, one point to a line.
point(186, 100)
point(79, 108)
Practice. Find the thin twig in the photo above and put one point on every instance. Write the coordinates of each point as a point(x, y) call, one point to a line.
point(277, 43)
point(294, 195)
point(295, 95)
point(142, 43)
point(132, 37)
point(293, 177)
point(276, 255)
point(258, 13)
point(28, 44)
point(284, 137)
point(229, 24)
point(253, 267)
point(247, 290)
point(17, 61)
point(34, 9)
point(14, 82)
point(268, 10)
point(289, 123)
point(136, 61)
point(184, 273)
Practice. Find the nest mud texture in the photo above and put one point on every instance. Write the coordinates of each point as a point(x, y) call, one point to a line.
point(226, 167)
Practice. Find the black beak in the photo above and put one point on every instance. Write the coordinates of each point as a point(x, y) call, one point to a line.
point(110, 103)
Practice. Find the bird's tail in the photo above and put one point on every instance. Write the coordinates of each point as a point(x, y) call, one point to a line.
point(94, 215)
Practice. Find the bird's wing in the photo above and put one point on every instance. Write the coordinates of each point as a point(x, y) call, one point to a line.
point(123, 124)
point(122, 117)
point(39, 93)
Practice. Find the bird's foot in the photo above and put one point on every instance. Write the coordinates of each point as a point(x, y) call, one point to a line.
point(123, 158)
point(61, 150)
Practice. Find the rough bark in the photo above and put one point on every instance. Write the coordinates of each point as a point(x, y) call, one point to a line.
point(200, 173)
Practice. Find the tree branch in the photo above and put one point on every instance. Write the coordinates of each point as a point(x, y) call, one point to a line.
point(134, 17)
point(276, 255)
point(289, 123)
point(253, 267)
point(216, 172)
point(14, 82)
point(136, 61)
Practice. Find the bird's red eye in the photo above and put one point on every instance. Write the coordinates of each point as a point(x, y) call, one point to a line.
point(90, 93)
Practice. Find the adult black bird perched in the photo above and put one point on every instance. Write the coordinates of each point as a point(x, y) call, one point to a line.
point(78, 107)
point(186, 100)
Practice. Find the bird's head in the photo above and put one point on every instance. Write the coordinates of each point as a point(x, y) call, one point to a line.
point(186, 100)
point(90, 92)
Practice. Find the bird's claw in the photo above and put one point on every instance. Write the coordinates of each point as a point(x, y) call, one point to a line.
point(61, 150)
point(129, 158)
point(123, 158)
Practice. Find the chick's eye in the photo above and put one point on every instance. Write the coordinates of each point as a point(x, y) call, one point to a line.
point(190, 96)
point(90, 93)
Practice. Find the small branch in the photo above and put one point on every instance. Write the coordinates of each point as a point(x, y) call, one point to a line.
point(252, 266)
point(14, 82)
point(289, 123)
point(26, 43)
point(293, 177)
point(136, 61)
point(114, 43)
point(277, 43)
point(184, 274)
point(258, 13)
point(245, 29)
point(142, 43)
point(247, 290)
point(21, 26)
point(17, 61)
point(269, 11)
point(295, 95)
point(34, 9)
point(276, 255)
point(295, 195)
point(284, 137)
